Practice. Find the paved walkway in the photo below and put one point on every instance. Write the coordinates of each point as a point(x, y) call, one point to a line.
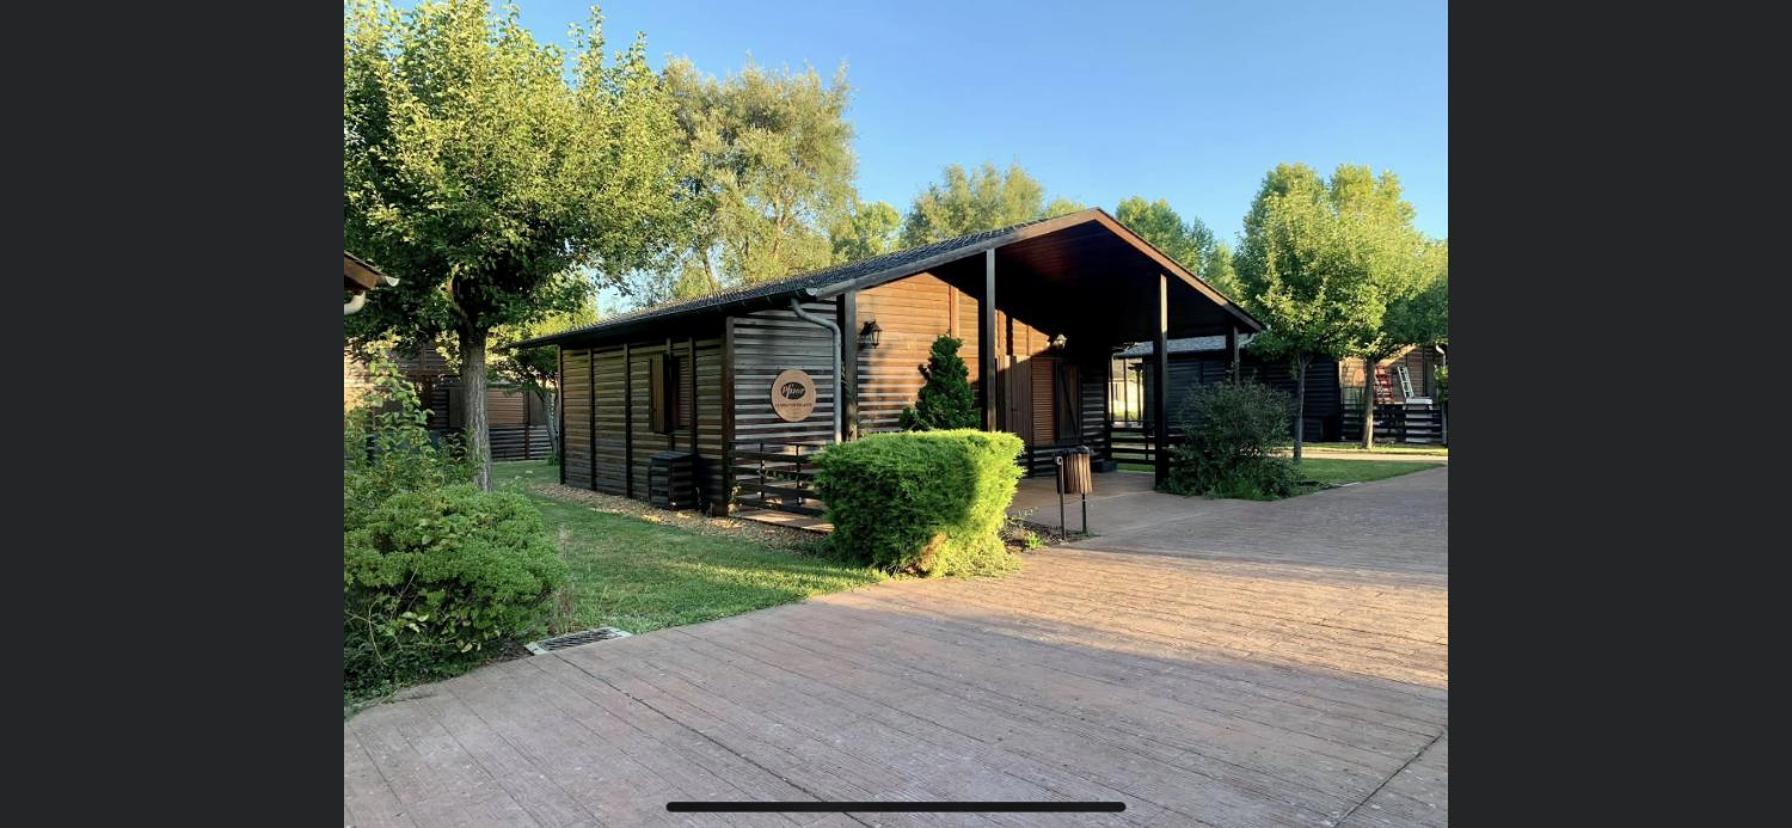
point(1206, 662)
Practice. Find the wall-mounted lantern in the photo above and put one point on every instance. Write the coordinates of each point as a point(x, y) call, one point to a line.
point(1060, 342)
point(869, 335)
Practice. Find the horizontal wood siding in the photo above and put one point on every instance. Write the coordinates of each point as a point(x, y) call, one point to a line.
point(765, 343)
point(699, 395)
point(1092, 374)
point(912, 313)
point(576, 399)
point(516, 442)
point(1324, 404)
point(705, 404)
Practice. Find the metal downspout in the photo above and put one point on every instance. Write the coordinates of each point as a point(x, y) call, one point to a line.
point(796, 306)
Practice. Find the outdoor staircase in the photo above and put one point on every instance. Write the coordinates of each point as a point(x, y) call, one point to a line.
point(1406, 423)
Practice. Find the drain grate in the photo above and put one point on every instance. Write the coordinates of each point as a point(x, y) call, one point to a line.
point(561, 642)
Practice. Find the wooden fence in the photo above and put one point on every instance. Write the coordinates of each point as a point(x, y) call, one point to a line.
point(1399, 423)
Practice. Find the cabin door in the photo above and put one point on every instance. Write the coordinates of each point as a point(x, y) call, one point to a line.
point(1019, 388)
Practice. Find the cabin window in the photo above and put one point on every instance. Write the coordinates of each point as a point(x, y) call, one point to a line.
point(662, 407)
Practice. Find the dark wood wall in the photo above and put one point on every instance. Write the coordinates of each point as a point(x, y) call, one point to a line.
point(1324, 406)
point(609, 439)
point(913, 311)
point(769, 341)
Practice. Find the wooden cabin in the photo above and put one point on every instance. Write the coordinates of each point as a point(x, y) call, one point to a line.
point(734, 390)
point(1405, 385)
point(1205, 360)
point(1406, 406)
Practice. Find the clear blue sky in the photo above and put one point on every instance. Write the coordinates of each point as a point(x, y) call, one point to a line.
point(1186, 101)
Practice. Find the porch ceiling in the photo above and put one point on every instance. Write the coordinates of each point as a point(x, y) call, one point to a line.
point(1090, 281)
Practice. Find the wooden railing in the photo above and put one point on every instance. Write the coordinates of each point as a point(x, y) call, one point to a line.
point(781, 476)
point(1136, 443)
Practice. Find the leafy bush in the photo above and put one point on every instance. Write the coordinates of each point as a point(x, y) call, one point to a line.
point(387, 447)
point(924, 503)
point(433, 581)
point(1231, 431)
point(1015, 529)
point(945, 400)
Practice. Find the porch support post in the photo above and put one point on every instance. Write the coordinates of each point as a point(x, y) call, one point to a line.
point(1232, 351)
point(1160, 372)
point(987, 344)
point(848, 313)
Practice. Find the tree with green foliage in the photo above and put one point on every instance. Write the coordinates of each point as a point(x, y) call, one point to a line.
point(967, 202)
point(946, 399)
point(1218, 270)
point(482, 173)
point(864, 231)
point(1191, 243)
point(773, 168)
point(1062, 206)
point(1418, 315)
point(1321, 260)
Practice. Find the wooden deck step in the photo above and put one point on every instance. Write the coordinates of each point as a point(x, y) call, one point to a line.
point(809, 523)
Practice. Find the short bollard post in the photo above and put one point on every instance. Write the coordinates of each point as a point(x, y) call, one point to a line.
point(1059, 462)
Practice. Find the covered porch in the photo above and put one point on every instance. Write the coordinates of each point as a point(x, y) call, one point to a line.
point(1041, 310)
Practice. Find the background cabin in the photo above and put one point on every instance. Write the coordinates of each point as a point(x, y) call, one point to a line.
point(1203, 360)
point(1406, 406)
point(736, 391)
point(1405, 389)
point(517, 419)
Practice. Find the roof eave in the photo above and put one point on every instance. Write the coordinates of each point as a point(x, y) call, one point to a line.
point(599, 333)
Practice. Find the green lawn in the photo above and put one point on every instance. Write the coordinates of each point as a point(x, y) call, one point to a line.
point(1381, 448)
point(630, 572)
point(1336, 470)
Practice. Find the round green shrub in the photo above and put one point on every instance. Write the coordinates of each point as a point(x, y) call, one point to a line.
point(434, 581)
point(923, 503)
point(1231, 431)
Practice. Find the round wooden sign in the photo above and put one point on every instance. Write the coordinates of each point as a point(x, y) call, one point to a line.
point(793, 395)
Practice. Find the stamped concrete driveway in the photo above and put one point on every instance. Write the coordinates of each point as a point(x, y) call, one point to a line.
point(1205, 662)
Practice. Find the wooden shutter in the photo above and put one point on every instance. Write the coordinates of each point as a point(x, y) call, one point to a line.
point(456, 407)
point(663, 399)
point(1044, 379)
point(656, 395)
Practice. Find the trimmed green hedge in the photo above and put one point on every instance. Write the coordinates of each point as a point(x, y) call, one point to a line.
point(923, 503)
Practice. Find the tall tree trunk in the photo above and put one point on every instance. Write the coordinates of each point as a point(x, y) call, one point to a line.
point(1368, 402)
point(1300, 402)
point(473, 419)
